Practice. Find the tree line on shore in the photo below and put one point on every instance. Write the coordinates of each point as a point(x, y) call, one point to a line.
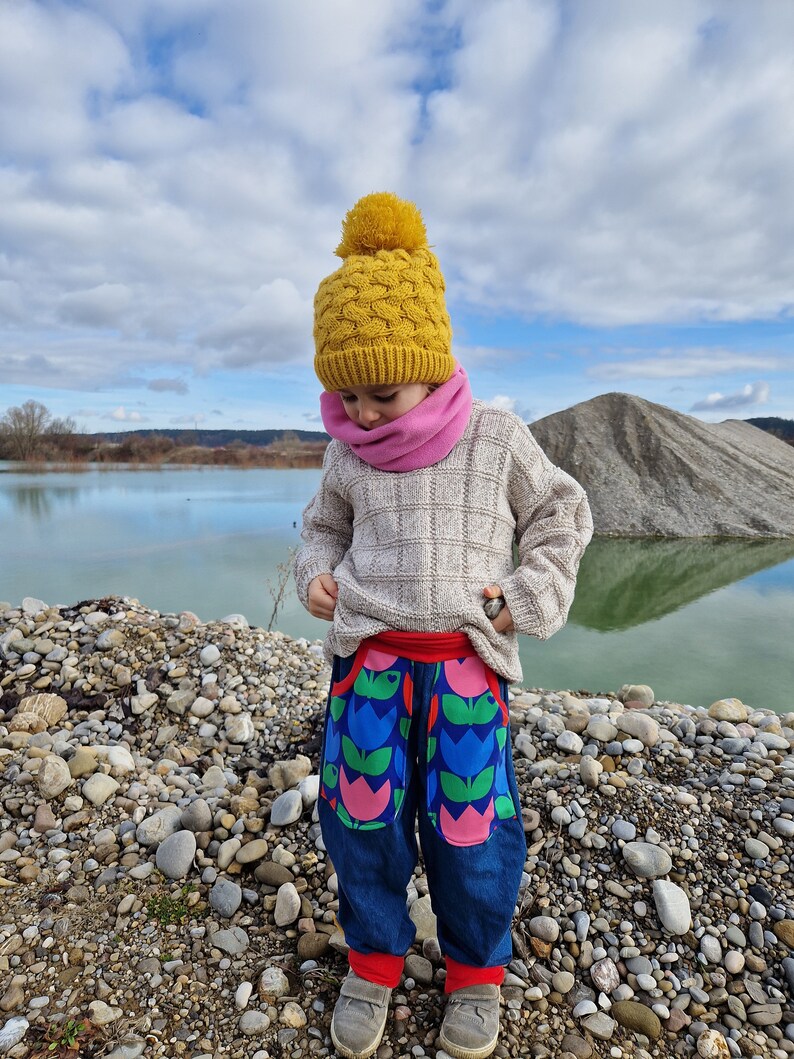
point(30, 434)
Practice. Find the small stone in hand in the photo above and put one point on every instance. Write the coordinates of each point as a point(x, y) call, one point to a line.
point(493, 606)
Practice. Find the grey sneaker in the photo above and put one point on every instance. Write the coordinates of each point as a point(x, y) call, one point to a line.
point(471, 1022)
point(359, 1017)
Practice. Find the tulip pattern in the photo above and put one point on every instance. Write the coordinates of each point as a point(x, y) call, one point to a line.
point(467, 786)
point(365, 762)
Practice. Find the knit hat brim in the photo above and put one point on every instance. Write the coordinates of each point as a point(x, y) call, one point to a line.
point(375, 365)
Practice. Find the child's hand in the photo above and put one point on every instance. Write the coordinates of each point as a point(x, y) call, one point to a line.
point(503, 622)
point(323, 591)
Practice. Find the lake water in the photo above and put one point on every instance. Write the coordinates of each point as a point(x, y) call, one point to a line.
point(697, 620)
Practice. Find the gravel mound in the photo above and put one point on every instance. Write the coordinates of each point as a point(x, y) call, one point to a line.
point(650, 471)
point(164, 880)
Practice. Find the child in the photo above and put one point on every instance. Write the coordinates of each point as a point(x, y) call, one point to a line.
point(423, 492)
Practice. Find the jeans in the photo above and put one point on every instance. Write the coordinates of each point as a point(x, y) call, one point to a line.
point(406, 740)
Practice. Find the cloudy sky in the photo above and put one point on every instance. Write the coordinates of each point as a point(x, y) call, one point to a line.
point(608, 186)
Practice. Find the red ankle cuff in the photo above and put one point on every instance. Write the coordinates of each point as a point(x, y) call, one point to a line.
point(460, 975)
point(378, 967)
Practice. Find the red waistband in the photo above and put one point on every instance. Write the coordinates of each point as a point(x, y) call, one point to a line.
point(423, 646)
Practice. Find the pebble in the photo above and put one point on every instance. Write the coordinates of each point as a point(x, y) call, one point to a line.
point(53, 776)
point(672, 906)
point(12, 1032)
point(159, 826)
point(646, 860)
point(100, 788)
point(210, 655)
point(589, 771)
point(286, 809)
point(600, 1025)
point(243, 995)
point(640, 726)
point(728, 710)
point(624, 830)
point(175, 855)
point(200, 743)
point(226, 897)
point(756, 849)
point(545, 928)
point(570, 743)
point(636, 1017)
point(288, 905)
point(711, 949)
point(273, 983)
point(254, 1023)
point(605, 975)
point(712, 1045)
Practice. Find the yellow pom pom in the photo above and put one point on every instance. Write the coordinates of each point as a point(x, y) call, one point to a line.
point(382, 222)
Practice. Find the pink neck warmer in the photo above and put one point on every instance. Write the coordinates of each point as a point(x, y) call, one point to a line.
point(420, 438)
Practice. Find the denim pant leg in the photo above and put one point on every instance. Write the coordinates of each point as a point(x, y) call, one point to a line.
point(374, 868)
point(473, 888)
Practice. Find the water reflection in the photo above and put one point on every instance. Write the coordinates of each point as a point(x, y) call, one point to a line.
point(38, 502)
point(629, 582)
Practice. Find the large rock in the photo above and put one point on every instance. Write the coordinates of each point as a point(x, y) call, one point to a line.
point(733, 710)
point(12, 1032)
point(649, 470)
point(157, 827)
point(53, 776)
point(27, 722)
point(639, 726)
point(286, 774)
point(51, 708)
point(646, 860)
point(99, 788)
point(239, 728)
point(636, 1017)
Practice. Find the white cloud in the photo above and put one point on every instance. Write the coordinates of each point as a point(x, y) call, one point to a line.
point(100, 306)
point(684, 364)
point(273, 325)
point(752, 394)
point(122, 415)
point(615, 162)
point(510, 404)
point(619, 163)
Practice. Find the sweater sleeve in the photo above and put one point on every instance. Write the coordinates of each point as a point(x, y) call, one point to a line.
point(553, 528)
point(327, 529)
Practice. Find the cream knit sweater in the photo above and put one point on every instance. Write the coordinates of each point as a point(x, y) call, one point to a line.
point(413, 551)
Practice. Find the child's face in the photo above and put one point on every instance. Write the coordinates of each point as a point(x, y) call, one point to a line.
point(372, 406)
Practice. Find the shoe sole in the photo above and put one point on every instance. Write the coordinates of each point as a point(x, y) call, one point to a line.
point(348, 1053)
point(458, 1052)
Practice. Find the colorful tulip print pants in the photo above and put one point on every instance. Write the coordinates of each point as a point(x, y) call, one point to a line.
point(408, 739)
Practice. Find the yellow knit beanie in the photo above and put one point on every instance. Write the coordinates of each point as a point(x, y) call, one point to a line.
point(381, 317)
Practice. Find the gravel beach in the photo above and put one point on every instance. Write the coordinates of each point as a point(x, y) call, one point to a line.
point(163, 877)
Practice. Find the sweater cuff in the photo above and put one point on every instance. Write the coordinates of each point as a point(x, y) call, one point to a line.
point(522, 606)
point(306, 569)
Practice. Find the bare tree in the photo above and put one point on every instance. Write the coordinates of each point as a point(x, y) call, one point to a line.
point(25, 430)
